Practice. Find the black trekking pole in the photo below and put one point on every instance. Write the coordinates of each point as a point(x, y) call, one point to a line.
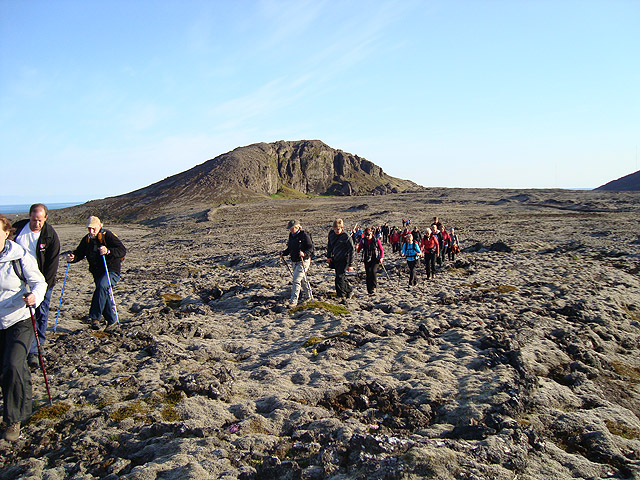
point(113, 301)
point(44, 372)
point(385, 270)
point(55, 326)
point(287, 265)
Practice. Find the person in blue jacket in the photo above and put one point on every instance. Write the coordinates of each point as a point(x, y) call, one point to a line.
point(411, 251)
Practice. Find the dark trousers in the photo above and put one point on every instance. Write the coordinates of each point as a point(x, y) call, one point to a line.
point(371, 269)
point(430, 262)
point(17, 394)
point(343, 287)
point(101, 300)
point(413, 277)
point(42, 318)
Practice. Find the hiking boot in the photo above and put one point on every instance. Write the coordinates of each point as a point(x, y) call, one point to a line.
point(32, 360)
point(112, 327)
point(12, 433)
point(95, 324)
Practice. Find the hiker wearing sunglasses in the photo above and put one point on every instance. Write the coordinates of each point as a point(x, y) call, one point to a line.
point(372, 256)
point(300, 249)
point(96, 244)
point(21, 285)
point(340, 257)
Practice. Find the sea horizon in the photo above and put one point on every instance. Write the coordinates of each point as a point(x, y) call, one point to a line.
point(17, 208)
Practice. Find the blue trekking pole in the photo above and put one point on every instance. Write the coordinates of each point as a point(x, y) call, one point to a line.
point(55, 326)
point(113, 301)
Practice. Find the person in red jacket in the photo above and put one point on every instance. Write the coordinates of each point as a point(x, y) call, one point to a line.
point(446, 243)
point(431, 250)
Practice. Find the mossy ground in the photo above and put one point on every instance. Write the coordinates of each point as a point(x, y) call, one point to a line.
point(315, 304)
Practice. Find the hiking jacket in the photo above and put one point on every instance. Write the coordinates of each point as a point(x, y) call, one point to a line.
point(454, 239)
point(395, 237)
point(297, 242)
point(411, 251)
point(88, 248)
point(430, 244)
point(12, 288)
point(445, 238)
point(47, 250)
point(340, 247)
point(372, 251)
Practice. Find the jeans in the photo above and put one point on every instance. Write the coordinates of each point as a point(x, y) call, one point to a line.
point(42, 318)
point(298, 277)
point(17, 393)
point(101, 302)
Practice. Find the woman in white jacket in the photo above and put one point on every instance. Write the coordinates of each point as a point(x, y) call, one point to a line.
point(16, 329)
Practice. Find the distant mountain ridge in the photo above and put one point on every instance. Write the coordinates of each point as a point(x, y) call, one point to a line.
point(629, 182)
point(291, 168)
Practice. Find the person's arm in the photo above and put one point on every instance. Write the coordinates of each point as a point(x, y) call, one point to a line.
point(34, 279)
point(381, 249)
point(114, 245)
point(80, 252)
point(51, 258)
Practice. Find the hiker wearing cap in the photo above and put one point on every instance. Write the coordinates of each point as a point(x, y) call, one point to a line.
point(340, 257)
point(97, 243)
point(41, 241)
point(411, 250)
point(300, 249)
point(21, 284)
point(372, 256)
point(431, 249)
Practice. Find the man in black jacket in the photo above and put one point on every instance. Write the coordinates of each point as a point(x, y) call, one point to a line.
point(96, 244)
point(300, 248)
point(340, 257)
point(41, 241)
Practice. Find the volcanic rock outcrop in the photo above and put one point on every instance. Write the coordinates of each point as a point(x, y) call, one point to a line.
point(629, 182)
point(291, 168)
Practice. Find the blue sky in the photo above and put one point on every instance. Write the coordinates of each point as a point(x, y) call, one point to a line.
point(99, 98)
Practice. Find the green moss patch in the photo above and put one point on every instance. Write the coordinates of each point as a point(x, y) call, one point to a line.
point(50, 412)
point(136, 410)
point(626, 370)
point(336, 309)
point(622, 430)
point(288, 192)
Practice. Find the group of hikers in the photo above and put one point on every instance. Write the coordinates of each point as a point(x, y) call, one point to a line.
point(29, 260)
point(434, 247)
point(28, 270)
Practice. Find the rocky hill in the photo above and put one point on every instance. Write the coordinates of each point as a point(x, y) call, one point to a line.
point(286, 168)
point(629, 182)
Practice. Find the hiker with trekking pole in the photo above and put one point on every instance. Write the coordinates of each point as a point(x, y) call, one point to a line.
point(300, 249)
point(104, 251)
point(41, 241)
point(21, 285)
